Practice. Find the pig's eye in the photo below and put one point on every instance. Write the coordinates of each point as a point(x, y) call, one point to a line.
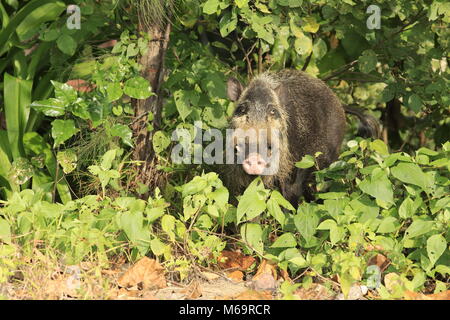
point(241, 109)
point(274, 112)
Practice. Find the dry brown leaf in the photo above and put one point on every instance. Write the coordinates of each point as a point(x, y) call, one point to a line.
point(314, 292)
point(444, 295)
point(380, 261)
point(193, 291)
point(146, 273)
point(236, 276)
point(235, 260)
point(210, 276)
point(81, 85)
point(265, 268)
point(254, 295)
point(107, 44)
point(285, 275)
point(334, 42)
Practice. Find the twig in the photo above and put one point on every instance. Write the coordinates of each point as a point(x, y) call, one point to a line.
point(341, 70)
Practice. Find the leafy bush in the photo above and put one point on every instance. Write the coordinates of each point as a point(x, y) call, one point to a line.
point(369, 202)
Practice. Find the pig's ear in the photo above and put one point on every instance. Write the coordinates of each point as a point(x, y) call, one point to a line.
point(282, 94)
point(234, 89)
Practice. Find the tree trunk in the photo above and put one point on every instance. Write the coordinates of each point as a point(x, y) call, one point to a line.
point(152, 70)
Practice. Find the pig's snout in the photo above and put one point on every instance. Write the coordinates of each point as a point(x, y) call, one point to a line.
point(254, 164)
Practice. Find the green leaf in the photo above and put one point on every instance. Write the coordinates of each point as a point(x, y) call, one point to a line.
point(411, 173)
point(378, 186)
point(407, 209)
point(436, 246)
point(67, 44)
point(380, 147)
point(286, 240)
point(138, 88)
point(414, 103)
point(367, 61)
point(210, 6)
point(160, 141)
point(64, 92)
point(168, 226)
point(388, 225)
point(62, 130)
point(114, 91)
point(306, 221)
point(184, 100)
point(51, 107)
point(17, 99)
point(303, 45)
point(252, 203)
point(310, 25)
point(108, 158)
point(124, 132)
point(418, 228)
point(5, 231)
point(306, 162)
point(227, 24)
point(252, 234)
point(68, 160)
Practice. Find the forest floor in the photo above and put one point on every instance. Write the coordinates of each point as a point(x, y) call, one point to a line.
point(46, 277)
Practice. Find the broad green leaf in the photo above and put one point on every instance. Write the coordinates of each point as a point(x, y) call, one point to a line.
point(306, 162)
point(68, 160)
point(62, 130)
point(418, 228)
point(17, 100)
point(306, 221)
point(388, 225)
point(51, 107)
point(138, 88)
point(252, 203)
point(286, 240)
point(411, 173)
point(168, 226)
point(252, 234)
point(367, 61)
point(124, 132)
point(436, 246)
point(67, 44)
point(211, 6)
point(160, 141)
point(5, 231)
point(310, 25)
point(378, 186)
point(114, 91)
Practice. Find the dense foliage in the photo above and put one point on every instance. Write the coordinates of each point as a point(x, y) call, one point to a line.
point(69, 180)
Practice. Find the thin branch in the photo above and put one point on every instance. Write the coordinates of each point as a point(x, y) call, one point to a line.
point(341, 70)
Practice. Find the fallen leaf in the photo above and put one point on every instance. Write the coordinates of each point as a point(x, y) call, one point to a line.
point(254, 295)
point(265, 278)
point(146, 273)
point(81, 85)
point(193, 291)
point(265, 268)
point(380, 261)
point(236, 276)
point(235, 260)
point(315, 291)
point(210, 276)
point(444, 295)
point(107, 44)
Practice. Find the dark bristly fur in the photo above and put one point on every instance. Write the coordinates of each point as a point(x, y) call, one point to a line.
point(309, 116)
